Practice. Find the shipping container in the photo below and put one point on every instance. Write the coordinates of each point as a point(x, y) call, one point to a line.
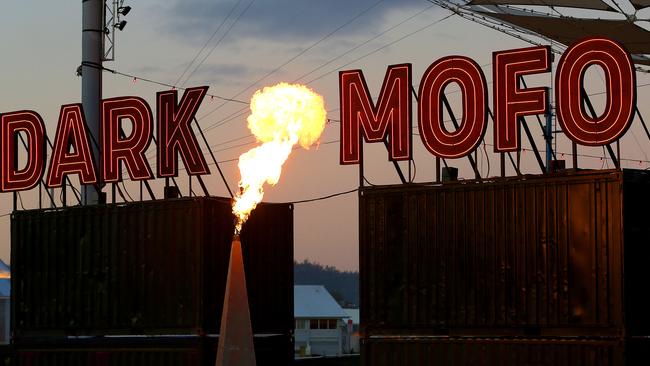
point(545, 255)
point(147, 268)
point(465, 351)
point(343, 360)
point(139, 351)
point(6, 355)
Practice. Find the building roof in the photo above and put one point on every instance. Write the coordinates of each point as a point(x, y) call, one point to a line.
point(4, 268)
point(5, 287)
point(315, 302)
point(5, 279)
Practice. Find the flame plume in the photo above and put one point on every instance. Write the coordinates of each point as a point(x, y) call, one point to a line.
point(281, 117)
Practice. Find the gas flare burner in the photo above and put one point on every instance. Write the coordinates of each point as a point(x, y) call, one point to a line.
point(236, 335)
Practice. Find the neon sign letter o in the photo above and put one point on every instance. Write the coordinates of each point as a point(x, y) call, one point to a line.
point(468, 75)
point(621, 91)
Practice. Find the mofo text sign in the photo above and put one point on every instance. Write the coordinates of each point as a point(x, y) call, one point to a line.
point(390, 119)
point(71, 152)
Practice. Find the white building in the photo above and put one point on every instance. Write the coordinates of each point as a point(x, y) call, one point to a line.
point(319, 322)
point(5, 300)
point(351, 341)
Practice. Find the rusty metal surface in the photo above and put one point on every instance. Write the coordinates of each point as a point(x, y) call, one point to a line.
point(465, 351)
point(156, 351)
point(535, 255)
point(154, 267)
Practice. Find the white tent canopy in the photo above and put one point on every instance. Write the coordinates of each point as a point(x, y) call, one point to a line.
point(528, 20)
point(568, 30)
point(585, 4)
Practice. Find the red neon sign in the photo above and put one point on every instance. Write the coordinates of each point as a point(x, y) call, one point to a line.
point(388, 120)
point(510, 100)
point(468, 75)
point(363, 117)
point(71, 152)
point(31, 124)
point(359, 116)
point(621, 91)
point(175, 134)
point(130, 149)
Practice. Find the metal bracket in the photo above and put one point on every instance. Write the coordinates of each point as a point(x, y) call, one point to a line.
point(111, 19)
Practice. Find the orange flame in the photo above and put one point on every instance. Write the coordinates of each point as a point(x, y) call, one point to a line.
point(281, 117)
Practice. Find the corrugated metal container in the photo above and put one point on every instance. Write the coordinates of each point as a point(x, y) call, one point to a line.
point(636, 235)
point(464, 351)
point(532, 255)
point(139, 351)
point(343, 360)
point(156, 267)
point(6, 355)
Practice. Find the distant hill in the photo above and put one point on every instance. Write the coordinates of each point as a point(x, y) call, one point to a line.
point(343, 285)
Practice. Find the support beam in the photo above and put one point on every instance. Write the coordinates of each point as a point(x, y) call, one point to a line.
point(119, 191)
point(522, 121)
point(203, 187)
point(503, 159)
point(180, 194)
point(502, 164)
point(645, 127)
point(146, 183)
point(472, 162)
point(547, 130)
point(214, 160)
point(592, 112)
point(574, 153)
point(150, 191)
point(397, 167)
point(361, 176)
point(42, 183)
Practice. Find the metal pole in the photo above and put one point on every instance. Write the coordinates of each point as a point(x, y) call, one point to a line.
point(549, 135)
point(574, 152)
point(225, 182)
point(92, 35)
point(618, 154)
point(15, 166)
point(361, 178)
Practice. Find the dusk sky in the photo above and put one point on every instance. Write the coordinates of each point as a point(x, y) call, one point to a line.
point(262, 43)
